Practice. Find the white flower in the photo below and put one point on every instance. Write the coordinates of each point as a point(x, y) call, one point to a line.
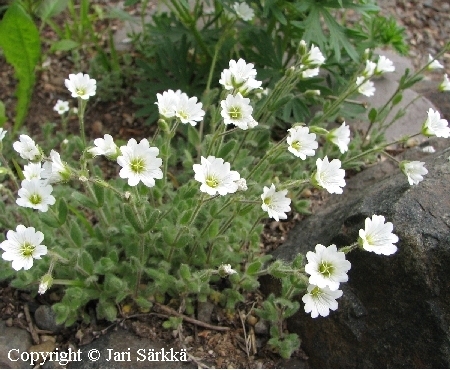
point(35, 194)
point(319, 301)
point(55, 170)
point(329, 175)
point(61, 106)
point(237, 110)
point(414, 171)
point(81, 85)
point(341, 137)
point(167, 102)
point(366, 88)
point(327, 267)
point(2, 134)
point(240, 76)
point(139, 162)
point(435, 125)
point(384, 65)
point(188, 110)
point(32, 171)
point(434, 63)
point(27, 148)
point(275, 203)
point(428, 149)
point(314, 58)
point(243, 11)
point(22, 245)
point(445, 84)
point(105, 147)
point(301, 142)
point(225, 270)
point(308, 73)
point(377, 236)
point(370, 68)
point(215, 176)
point(242, 184)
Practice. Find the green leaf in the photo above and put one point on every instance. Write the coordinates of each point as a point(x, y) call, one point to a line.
point(64, 45)
point(132, 219)
point(83, 200)
point(49, 220)
point(76, 235)
point(168, 235)
point(213, 229)
point(99, 192)
point(22, 48)
point(106, 310)
point(226, 149)
point(185, 272)
point(3, 117)
point(62, 211)
point(86, 262)
point(373, 115)
point(49, 8)
point(254, 267)
point(103, 266)
point(143, 303)
point(397, 98)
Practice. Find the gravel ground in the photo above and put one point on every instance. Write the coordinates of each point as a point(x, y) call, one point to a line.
point(426, 23)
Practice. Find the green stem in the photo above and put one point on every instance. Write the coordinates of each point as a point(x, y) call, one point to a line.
point(191, 220)
point(81, 108)
point(349, 248)
point(265, 157)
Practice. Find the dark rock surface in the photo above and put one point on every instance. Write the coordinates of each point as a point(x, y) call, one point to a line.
point(395, 311)
point(15, 340)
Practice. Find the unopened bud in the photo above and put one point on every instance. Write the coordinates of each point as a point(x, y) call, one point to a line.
point(45, 284)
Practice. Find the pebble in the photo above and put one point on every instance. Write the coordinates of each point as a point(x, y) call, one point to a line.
point(46, 319)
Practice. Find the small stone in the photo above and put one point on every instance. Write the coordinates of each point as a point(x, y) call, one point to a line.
point(9, 322)
point(204, 311)
point(252, 320)
point(261, 327)
point(43, 348)
point(46, 319)
point(12, 338)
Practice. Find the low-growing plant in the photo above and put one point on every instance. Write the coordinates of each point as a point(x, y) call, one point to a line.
point(189, 43)
point(173, 227)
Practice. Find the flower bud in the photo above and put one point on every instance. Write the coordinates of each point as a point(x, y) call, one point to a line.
point(163, 125)
point(45, 284)
point(311, 93)
point(302, 49)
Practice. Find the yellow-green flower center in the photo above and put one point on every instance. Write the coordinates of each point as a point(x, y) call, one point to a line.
point(296, 145)
point(137, 165)
point(326, 268)
point(316, 292)
point(212, 181)
point(267, 201)
point(183, 115)
point(235, 113)
point(80, 91)
point(27, 249)
point(35, 199)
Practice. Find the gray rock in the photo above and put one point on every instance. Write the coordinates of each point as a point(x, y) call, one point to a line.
point(119, 349)
point(415, 105)
point(18, 340)
point(45, 319)
point(395, 309)
point(204, 311)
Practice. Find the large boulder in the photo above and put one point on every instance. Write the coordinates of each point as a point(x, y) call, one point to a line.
point(395, 311)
